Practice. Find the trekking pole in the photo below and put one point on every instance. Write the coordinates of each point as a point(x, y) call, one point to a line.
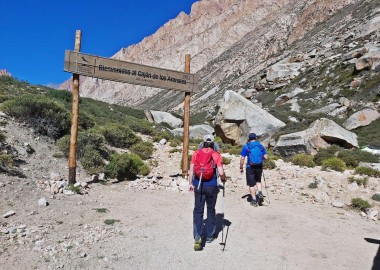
point(266, 187)
point(200, 179)
point(223, 243)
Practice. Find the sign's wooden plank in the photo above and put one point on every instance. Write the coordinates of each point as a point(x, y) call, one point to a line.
point(122, 71)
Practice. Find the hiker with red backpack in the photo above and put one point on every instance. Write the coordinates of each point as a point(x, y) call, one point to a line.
point(255, 153)
point(205, 166)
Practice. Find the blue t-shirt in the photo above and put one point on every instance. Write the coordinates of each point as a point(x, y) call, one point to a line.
point(245, 150)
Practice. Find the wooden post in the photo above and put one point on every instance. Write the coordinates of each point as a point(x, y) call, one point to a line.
point(186, 124)
point(74, 117)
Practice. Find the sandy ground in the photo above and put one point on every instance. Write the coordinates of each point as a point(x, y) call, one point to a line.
point(153, 228)
point(154, 232)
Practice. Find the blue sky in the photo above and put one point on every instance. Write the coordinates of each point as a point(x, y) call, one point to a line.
point(34, 34)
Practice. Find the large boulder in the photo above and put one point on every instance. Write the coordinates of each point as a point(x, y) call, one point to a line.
point(320, 134)
point(195, 132)
point(283, 71)
point(159, 117)
point(361, 118)
point(237, 117)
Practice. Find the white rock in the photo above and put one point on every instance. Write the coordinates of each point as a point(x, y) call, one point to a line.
point(373, 215)
point(42, 202)
point(337, 204)
point(9, 214)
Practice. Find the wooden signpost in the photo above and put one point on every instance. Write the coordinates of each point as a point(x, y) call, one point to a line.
point(126, 72)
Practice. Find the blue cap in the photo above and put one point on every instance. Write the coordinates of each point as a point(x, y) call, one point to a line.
point(252, 136)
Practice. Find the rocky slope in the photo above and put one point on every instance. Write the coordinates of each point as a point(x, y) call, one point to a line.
point(229, 41)
point(147, 223)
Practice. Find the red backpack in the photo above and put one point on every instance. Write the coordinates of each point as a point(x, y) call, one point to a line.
point(204, 164)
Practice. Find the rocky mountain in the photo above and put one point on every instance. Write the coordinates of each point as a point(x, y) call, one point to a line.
point(295, 59)
point(230, 38)
point(4, 72)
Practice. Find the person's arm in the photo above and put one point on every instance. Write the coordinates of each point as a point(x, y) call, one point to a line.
point(221, 173)
point(190, 179)
point(242, 164)
point(265, 153)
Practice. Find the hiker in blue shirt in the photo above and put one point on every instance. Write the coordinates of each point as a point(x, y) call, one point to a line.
point(255, 153)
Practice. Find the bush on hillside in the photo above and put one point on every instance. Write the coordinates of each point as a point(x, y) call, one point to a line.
point(226, 160)
point(175, 142)
point(269, 164)
point(326, 153)
point(91, 160)
point(126, 167)
point(88, 138)
point(143, 149)
point(367, 171)
point(359, 181)
point(376, 197)
point(360, 204)
point(230, 149)
point(303, 160)
point(334, 163)
point(119, 136)
point(162, 134)
point(313, 185)
point(47, 117)
point(353, 157)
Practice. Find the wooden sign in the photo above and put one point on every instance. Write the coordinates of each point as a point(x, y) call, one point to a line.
point(122, 71)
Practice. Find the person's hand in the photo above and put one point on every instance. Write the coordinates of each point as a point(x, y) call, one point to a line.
point(191, 187)
point(223, 178)
point(241, 170)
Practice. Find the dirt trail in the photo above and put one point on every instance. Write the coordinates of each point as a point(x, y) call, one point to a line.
point(153, 228)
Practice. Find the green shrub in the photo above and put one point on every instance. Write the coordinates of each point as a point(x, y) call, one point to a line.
point(119, 136)
point(96, 141)
point(75, 189)
point(140, 125)
point(111, 221)
point(125, 166)
point(175, 142)
point(91, 160)
point(359, 181)
point(144, 170)
point(334, 163)
point(143, 149)
point(226, 161)
point(101, 210)
point(6, 160)
point(326, 153)
point(174, 150)
point(269, 164)
point(367, 171)
point(376, 197)
point(353, 157)
point(360, 204)
point(313, 185)
point(271, 155)
point(2, 137)
point(47, 117)
point(230, 149)
point(303, 160)
point(163, 134)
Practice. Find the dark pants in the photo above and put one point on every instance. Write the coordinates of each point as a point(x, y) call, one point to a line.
point(208, 195)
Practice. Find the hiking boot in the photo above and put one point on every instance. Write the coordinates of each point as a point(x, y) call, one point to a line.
point(210, 239)
point(198, 244)
point(260, 198)
point(254, 203)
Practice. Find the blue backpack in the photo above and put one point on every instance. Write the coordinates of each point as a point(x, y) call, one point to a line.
point(255, 154)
